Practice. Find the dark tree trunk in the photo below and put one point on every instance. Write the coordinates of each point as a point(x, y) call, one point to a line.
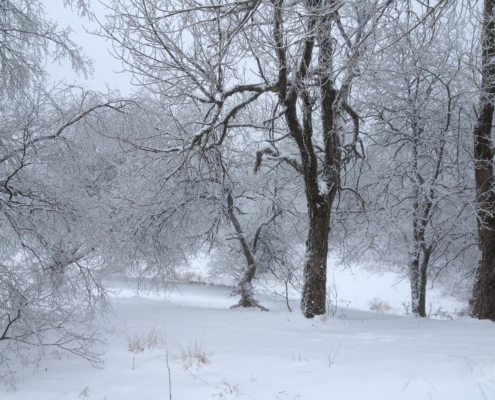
point(419, 277)
point(321, 181)
point(422, 285)
point(418, 268)
point(315, 271)
point(482, 304)
point(414, 280)
point(483, 300)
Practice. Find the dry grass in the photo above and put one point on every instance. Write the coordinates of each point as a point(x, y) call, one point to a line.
point(139, 343)
point(194, 355)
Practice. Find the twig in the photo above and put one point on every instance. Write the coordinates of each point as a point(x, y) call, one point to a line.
point(169, 379)
point(300, 372)
point(330, 359)
point(197, 377)
point(407, 384)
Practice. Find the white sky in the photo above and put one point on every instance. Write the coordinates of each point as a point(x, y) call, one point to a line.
point(105, 66)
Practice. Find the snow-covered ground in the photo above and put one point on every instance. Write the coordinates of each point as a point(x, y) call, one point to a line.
point(215, 352)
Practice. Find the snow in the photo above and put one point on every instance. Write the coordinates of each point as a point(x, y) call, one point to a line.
point(274, 355)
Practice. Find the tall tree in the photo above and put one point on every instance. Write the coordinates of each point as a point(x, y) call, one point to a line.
point(483, 299)
point(293, 63)
point(416, 98)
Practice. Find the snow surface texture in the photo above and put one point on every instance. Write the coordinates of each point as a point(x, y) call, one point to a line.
point(215, 352)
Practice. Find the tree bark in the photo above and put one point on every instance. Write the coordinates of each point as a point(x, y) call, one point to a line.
point(482, 304)
point(418, 267)
point(320, 204)
point(414, 280)
point(315, 270)
point(419, 277)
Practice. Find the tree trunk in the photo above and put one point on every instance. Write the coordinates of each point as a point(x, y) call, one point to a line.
point(418, 277)
point(414, 280)
point(313, 300)
point(422, 284)
point(315, 271)
point(246, 287)
point(483, 300)
point(245, 283)
point(319, 195)
point(482, 304)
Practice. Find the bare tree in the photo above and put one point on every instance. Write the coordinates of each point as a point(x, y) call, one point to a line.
point(483, 299)
point(50, 287)
point(264, 224)
point(212, 203)
point(418, 190)
point(285, 64)
point(49, 220)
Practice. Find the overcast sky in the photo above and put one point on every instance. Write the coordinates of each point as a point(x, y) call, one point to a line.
point(106, 67)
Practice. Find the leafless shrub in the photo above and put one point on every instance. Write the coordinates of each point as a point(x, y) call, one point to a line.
point(332, 300)
point(379, 305)
point(191, 277)
point(407, 307)
point(440, 313)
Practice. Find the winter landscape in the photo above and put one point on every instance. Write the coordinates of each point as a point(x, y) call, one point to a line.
point(368, 349)
point(262, 199)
